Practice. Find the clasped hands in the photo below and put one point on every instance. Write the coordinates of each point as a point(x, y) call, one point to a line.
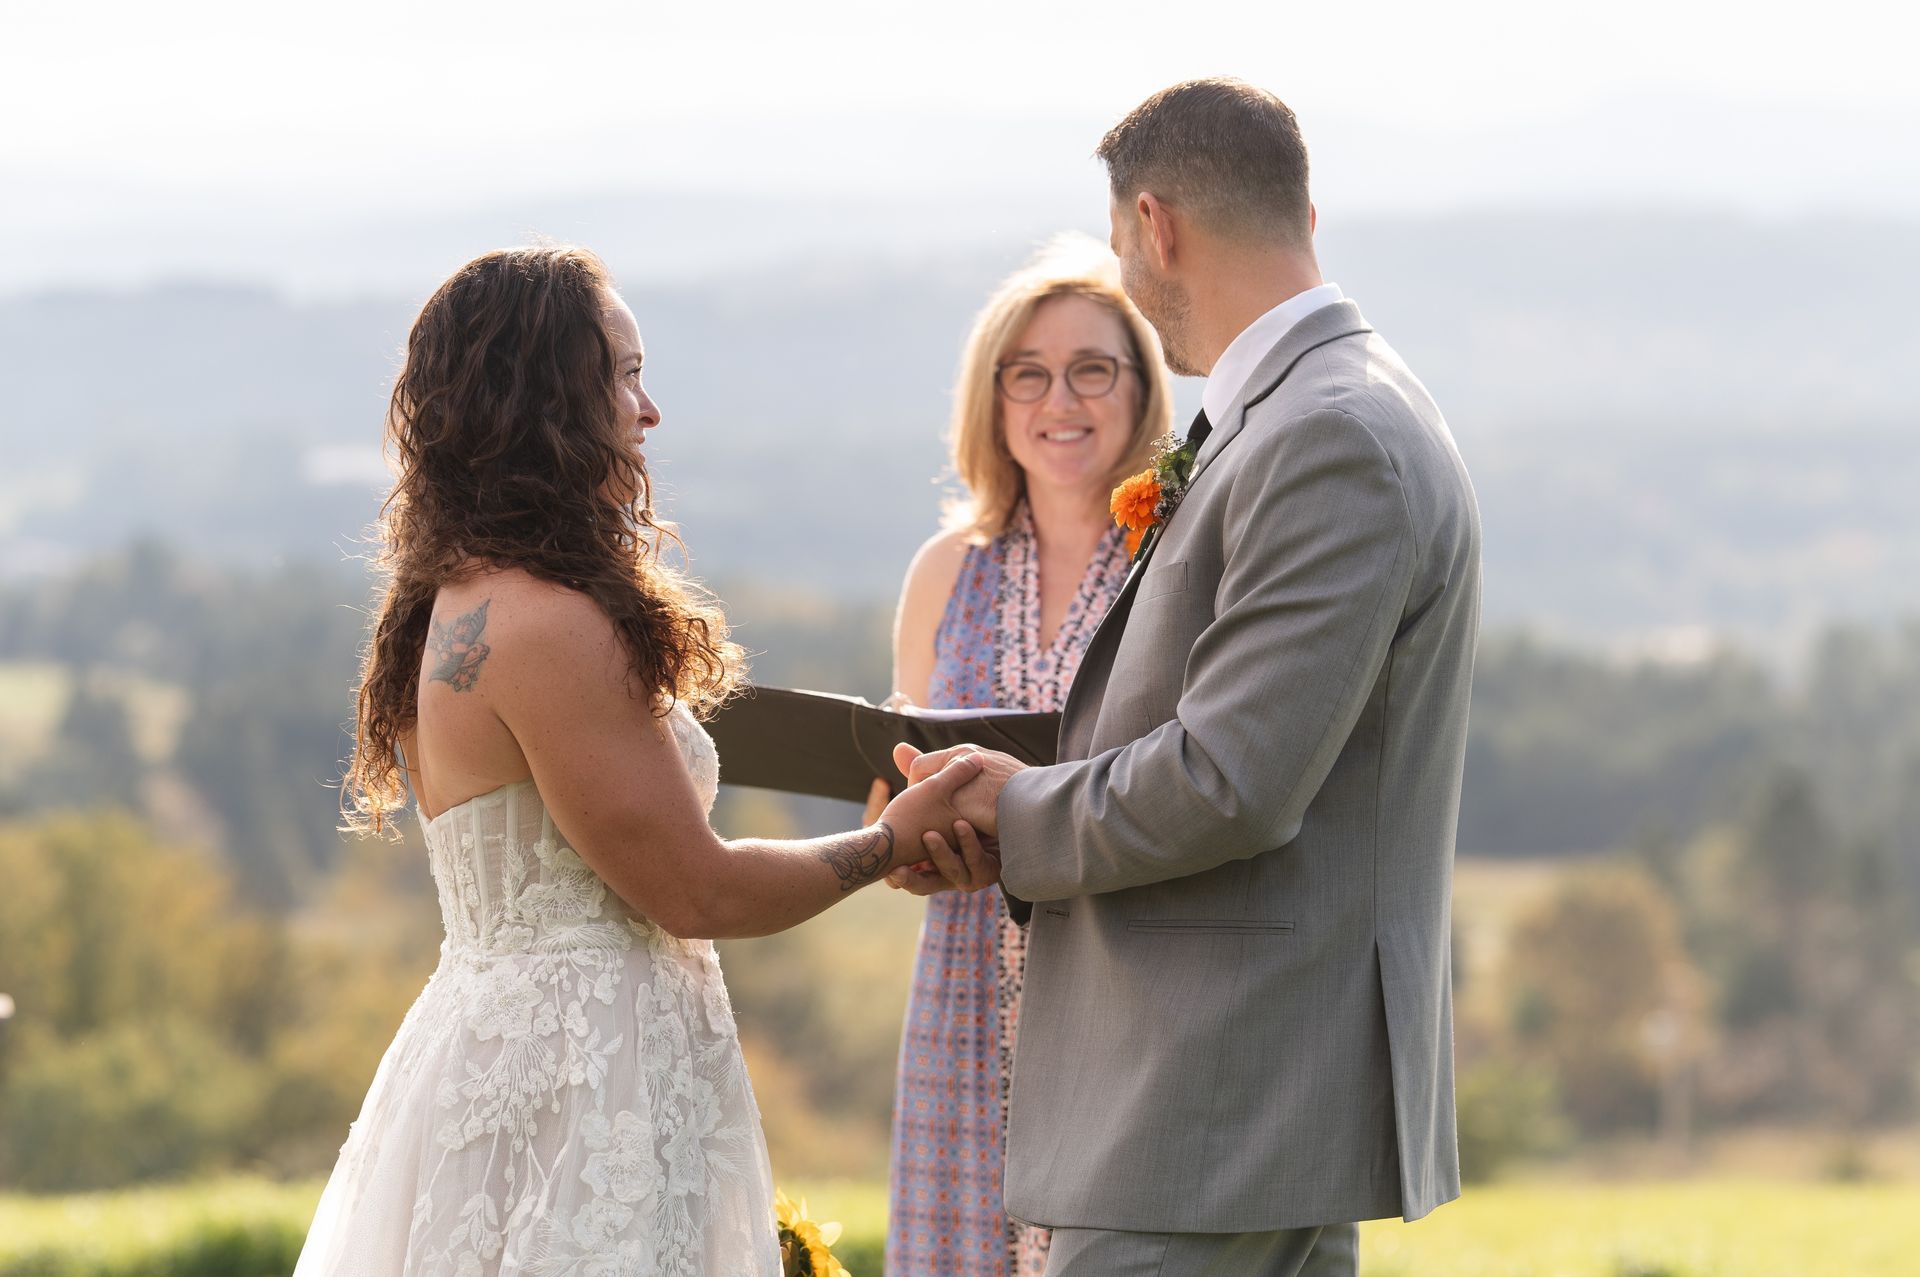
point(956, 828)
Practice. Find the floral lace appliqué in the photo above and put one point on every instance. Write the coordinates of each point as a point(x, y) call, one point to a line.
point(593, 1105)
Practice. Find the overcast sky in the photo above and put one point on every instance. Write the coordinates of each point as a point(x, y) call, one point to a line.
point(127, 122)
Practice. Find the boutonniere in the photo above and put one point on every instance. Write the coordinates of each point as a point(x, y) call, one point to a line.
point(1149, 498)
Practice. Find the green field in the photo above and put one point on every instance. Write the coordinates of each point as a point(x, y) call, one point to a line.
point(1687, 1229)
point(252, 1228)
point(223, 1228)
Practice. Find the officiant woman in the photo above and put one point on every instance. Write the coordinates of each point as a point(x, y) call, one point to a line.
point(1062, 394)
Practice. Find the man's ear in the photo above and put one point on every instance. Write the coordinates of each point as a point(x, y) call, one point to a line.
point(1156, 228)
point(1313, 218)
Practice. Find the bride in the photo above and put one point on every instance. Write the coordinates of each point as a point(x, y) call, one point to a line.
point(567, 1096)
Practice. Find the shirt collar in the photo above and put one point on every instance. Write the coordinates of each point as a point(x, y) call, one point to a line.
point(1244, 353)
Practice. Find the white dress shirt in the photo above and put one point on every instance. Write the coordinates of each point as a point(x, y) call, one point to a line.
point(1244, 353)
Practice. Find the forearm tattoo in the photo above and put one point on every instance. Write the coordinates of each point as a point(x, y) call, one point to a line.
point(457, 649)
point(859, 858)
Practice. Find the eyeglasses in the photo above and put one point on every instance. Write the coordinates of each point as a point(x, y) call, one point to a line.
point(1088, 378)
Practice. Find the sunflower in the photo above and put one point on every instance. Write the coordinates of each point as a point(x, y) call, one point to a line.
point(806, 1246)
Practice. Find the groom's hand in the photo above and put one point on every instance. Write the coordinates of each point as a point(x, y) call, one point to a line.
point(979, 799)
point(962, 862)
point(978, 802)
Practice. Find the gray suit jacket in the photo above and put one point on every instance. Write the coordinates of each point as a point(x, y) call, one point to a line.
point(1237, 1013)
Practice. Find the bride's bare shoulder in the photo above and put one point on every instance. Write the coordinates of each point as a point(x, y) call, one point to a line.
point(515, 597)
point(528, 634)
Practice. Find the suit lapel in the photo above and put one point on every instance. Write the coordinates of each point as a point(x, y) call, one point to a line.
point(1090, 682)
point(1329, 323)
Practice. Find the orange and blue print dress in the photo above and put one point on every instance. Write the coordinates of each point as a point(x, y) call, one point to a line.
point(950, 1101)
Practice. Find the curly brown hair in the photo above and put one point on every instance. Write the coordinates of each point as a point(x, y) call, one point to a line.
point(510, 453)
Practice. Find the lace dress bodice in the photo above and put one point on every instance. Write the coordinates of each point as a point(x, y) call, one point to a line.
point(508, 882)
point(567, 1098)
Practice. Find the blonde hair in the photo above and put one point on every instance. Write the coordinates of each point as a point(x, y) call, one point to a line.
point(1071, 265)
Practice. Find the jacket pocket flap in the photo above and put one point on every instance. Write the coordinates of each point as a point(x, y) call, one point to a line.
point(1223, 926)
point(1164, 578)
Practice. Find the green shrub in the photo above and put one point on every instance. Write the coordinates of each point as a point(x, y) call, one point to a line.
point(46, 1263)
point(1505, 1112)
point(226, 1251)
point(126, 1104)
point(1847, 1161)
point(217, 1250)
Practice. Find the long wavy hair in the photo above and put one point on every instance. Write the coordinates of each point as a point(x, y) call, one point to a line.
point(504, 434)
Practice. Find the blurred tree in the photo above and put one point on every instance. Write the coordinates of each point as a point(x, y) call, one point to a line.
point(1809, 935)
point(361, 954)
point(1589, 970)
point(93, 760)
point(268, 757)
point(1857, 724)
point(143, 1099)
point(267, 662)
point(106, 927)
point(804, 1140)
point(1572, 753)
point(143, 993)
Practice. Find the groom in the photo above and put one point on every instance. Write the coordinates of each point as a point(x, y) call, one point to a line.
point(1236, 1035)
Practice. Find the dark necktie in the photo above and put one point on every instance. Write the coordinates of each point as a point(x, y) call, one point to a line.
point(1197, 432)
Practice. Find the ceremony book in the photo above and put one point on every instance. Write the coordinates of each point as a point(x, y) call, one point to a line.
point(834, 746)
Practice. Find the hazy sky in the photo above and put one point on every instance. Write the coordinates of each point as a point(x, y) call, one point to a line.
point(124, 118)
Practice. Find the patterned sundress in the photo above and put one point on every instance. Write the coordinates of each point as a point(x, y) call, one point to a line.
point(950, 1102)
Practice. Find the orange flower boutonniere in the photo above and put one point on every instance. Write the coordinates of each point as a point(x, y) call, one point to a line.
point(1149, 498)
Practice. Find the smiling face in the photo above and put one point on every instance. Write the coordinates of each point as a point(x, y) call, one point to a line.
point(632, 405)
point(1063, 440)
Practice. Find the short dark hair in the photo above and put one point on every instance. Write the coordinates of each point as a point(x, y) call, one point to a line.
point(1228, 152)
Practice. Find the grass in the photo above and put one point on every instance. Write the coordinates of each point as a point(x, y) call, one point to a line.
point(166, 1230)
point(220, 1228)
point(1717, 1228)
point(121, 1224)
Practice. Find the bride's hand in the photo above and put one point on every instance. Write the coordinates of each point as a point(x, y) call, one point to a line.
point(956, 857)
point(877, 799)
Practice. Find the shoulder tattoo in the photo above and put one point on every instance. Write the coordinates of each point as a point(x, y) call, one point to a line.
point(457, 650)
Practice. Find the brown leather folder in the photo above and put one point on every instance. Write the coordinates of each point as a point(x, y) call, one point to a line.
point(833, 746)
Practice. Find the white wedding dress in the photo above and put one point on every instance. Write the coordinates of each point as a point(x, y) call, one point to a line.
point(567, 1096)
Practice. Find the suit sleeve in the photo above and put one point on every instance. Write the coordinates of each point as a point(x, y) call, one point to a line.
point(1318, 567)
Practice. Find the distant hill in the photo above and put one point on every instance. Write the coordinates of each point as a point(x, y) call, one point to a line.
point(1675, 422)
